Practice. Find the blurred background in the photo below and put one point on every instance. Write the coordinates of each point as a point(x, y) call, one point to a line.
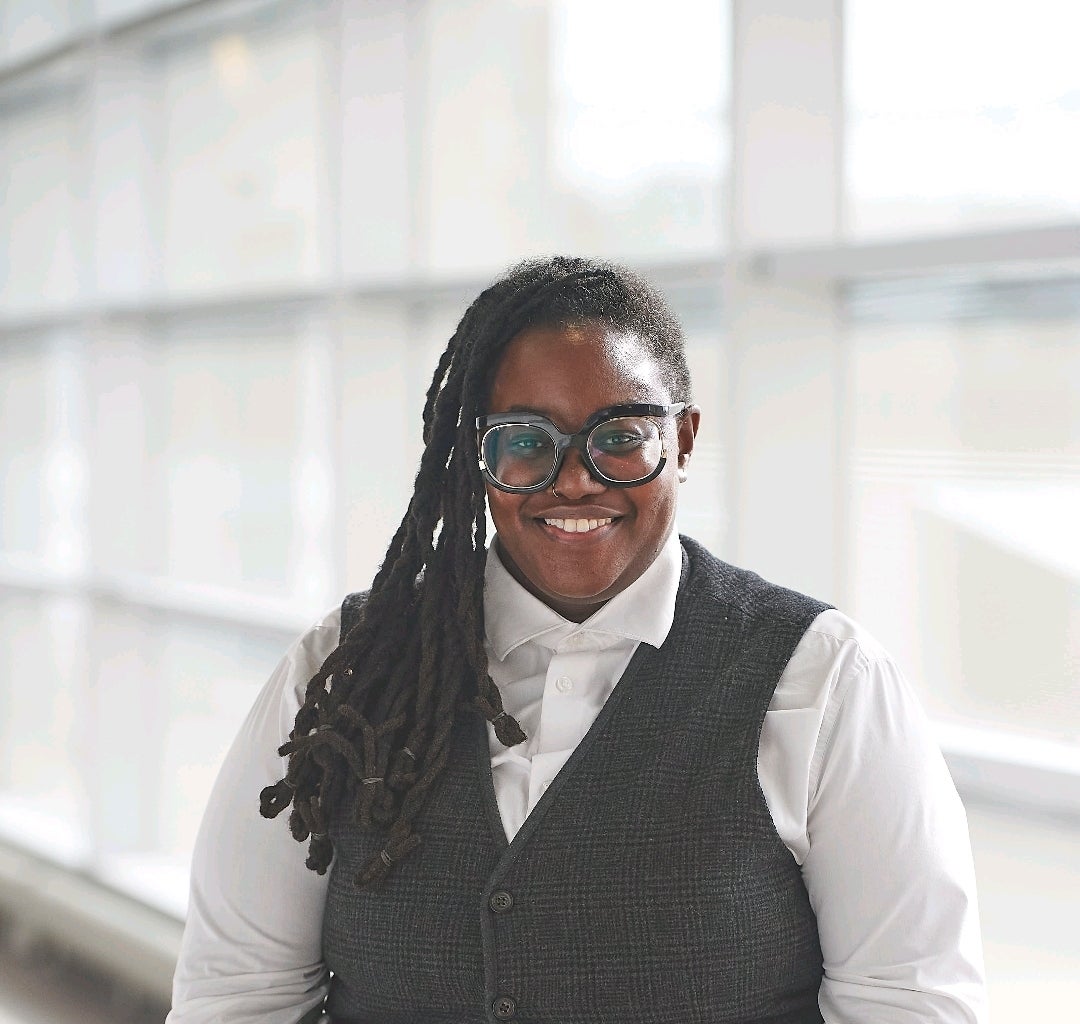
point(234, 236)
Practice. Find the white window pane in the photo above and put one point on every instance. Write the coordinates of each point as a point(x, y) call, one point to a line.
point(376, 208)
point(222, 442)
point(965, 496)
point(24, 443)
point(30, 25)
point(157, 749)
point(970, 123)
point(126, 264)
point(38, 182)
point(380, 430)
point(43, 800)
point(112, 10)
point(638, 157)
point(703, 511)
point(241, 151)
point(121, 402)
point(483, 165)
point(540, 135)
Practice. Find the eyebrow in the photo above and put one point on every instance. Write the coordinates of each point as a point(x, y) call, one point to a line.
point(527, 408)
point(611, 405)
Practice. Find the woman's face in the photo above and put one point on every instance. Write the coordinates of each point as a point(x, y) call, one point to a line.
point(566, 374)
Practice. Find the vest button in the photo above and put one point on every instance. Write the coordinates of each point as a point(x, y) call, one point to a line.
point(501, 901)
point(504, 1007)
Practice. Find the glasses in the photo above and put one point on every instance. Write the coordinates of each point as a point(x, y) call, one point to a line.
point(522, 452)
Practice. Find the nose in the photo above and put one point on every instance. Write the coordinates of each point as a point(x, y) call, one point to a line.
point(574, 480)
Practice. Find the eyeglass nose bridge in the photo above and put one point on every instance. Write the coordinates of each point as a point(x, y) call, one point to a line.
point(580, 441)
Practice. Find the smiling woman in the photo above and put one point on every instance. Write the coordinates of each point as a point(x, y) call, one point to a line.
point(588, 772)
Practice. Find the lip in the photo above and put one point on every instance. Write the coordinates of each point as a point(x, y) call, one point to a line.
point(580, 512)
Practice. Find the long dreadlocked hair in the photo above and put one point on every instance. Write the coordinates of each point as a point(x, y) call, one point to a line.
point(373, 732)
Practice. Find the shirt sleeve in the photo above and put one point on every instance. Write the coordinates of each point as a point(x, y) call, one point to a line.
point(252, 945)
point(889, 868)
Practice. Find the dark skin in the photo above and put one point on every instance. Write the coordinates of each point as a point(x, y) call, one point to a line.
point(566, 374)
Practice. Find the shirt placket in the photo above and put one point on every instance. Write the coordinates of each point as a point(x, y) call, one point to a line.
point(562, 721)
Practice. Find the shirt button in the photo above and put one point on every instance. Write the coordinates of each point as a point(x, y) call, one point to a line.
point(504, 1007)
point(564, 684)
point(501, 901)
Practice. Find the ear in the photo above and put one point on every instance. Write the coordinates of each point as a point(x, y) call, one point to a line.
point(688, 428)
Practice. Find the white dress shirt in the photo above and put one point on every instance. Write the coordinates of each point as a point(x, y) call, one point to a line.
point(857, 789)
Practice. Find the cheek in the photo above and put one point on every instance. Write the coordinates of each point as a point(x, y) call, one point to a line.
point(658, 500)
point(503, 509)
point(656, 512)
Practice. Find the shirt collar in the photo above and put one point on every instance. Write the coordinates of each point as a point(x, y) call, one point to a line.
point(642, 612)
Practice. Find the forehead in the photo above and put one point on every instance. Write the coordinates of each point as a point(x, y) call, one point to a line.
point(568, 372)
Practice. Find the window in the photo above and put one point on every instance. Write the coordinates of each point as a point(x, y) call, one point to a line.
point(961, 115)
point(965, 486)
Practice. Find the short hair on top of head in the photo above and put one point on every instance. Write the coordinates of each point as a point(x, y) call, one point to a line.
point(375, 727)
point(617, 297)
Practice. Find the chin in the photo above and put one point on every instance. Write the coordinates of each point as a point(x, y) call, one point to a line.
point(575, 589)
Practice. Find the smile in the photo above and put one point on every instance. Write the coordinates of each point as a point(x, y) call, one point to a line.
point(577, 525)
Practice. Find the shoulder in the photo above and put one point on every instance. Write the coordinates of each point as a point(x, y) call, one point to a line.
point(835, 654)
point(752, 598)
point(834, 634)
point(843, 677)
point(315, 643)
point(851, 704)
point(833, 651)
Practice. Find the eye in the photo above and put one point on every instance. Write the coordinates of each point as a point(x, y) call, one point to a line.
point(622, 436)
point(619, 442)
point(527, 442)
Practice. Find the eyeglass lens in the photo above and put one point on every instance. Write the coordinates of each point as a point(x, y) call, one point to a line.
point(625, 449)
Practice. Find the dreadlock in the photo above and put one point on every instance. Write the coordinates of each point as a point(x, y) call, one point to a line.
point(373, 732)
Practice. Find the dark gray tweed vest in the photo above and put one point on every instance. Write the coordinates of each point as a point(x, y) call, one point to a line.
point(648, 884)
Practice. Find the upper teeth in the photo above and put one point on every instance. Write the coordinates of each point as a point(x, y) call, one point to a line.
point(577, 525)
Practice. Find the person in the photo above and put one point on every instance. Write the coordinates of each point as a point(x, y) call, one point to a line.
point(591, 772)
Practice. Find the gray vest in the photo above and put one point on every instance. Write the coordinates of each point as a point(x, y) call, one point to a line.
point(647, 885)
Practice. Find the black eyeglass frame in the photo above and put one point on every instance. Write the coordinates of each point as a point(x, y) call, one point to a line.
point(578, 440)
